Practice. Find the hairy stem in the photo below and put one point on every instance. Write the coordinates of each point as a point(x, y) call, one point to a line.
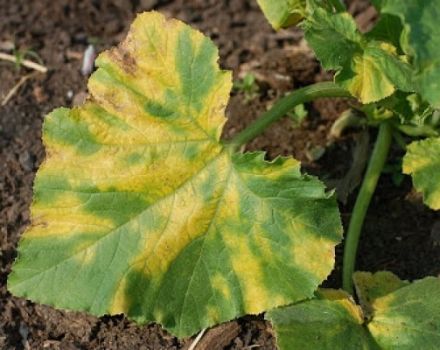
point(284, 105)
point(375, 166)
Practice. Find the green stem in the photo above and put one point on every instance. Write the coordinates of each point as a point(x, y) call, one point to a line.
point(338, 5)
point(397, 136)
point(375, 166)
point(284, 105)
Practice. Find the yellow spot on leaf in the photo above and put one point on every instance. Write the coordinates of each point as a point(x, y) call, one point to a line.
point(66, 217)
point(188, 217)
point(119, 303)
point(221, 284)
point(213, 313)
point(246, 266)
point(365, 85)
point(306, 248)
point(387, 324)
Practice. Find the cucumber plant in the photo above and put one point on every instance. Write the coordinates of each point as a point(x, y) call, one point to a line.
point(140, 208)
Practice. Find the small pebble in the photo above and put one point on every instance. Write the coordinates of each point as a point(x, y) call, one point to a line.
point(79, 98)
point(25, 160)
point(88, 61)
point(147, 5)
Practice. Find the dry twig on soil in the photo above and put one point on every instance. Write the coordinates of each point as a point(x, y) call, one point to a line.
point(196, 341)
point(26, 63)
point(15, 88)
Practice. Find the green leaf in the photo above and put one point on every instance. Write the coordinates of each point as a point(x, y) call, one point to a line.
point(403, 316)
point(283, 13)
point(421, 42)
point(370, 70)
point(140, 209)
point(322, 28)
point(409, 317)
point(422, 162)
point(333, 322)
point(387, 29)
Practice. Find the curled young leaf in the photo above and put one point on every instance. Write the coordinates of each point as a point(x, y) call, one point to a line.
point(422, 162)
point(140, 209)
point(283, 13)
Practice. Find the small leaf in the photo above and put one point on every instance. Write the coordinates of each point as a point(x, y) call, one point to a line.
point(375, 74)
point(421, 41)
point(370, 70)
point(298, 114)
point(409, 317)
point(140, 209)
point(422, 162)
point(283, 13)
point(333, 322)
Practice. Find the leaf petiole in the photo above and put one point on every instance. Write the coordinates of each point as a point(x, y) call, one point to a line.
point(375, 166)
point(399, 139)
point(283, 106)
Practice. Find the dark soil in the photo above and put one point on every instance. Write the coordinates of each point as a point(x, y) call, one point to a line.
point(397, 234)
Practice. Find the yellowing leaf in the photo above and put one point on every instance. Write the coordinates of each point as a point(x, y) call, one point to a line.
point(422, 162)
point(408, 318)
point(374, 74)
point(283, 13)
point(372, 286)
point(403, 316)
point(140, 209)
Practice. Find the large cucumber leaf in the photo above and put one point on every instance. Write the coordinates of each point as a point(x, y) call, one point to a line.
point(140, 209)
point(283, 13)
point(422, 162)
point(403, 316)
point(371, 70)
point(421, 42)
